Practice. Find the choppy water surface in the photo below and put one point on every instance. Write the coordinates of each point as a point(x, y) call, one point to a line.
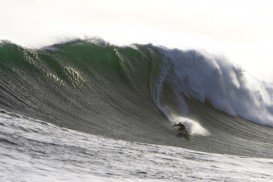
point(33, 150)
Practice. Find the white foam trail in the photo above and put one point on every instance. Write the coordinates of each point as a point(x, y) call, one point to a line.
point(192, 126)
point(157, 89)
point(227, 87)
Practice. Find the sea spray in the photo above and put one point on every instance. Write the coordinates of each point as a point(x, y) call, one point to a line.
point(226, 87)
point(192, 126)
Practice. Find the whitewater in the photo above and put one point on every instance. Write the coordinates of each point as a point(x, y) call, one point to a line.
point(94, 111)
point(43, 151)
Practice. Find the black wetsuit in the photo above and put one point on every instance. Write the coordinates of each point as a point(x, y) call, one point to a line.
point(181, 127)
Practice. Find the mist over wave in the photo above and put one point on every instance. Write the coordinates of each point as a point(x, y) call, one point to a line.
point(216, 81)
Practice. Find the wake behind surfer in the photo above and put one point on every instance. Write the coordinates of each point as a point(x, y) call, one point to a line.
point(181, 127)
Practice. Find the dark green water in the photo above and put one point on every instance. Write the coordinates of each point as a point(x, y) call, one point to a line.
point(111, 91)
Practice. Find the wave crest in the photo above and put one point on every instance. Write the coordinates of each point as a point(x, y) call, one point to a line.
point(226, 87)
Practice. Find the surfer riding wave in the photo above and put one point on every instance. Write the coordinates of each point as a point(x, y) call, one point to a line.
point(181, 127)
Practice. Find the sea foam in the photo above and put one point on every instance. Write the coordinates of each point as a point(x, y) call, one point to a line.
point(226, 87)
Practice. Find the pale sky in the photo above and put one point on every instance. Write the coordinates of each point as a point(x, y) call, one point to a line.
point(241, 30)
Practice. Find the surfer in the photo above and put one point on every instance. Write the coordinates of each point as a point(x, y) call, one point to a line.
point(181, 128)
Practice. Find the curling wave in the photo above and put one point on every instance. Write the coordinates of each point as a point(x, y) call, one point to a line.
point(216, 81)
point(134, 92)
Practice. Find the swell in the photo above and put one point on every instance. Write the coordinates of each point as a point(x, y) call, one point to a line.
point(80, 85)
point(119, 92)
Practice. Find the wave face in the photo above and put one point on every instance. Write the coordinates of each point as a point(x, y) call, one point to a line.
point(133, 93)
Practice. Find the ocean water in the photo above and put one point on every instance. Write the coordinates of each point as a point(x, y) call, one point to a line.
point(91, 111)
point(33, 150)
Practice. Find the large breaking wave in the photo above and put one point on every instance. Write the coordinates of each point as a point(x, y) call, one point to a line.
point(226, 87)
point(125, 92)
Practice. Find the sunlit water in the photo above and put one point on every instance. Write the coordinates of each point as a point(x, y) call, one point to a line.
point(33, 150)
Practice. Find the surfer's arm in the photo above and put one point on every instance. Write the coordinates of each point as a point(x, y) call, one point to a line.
point(175, 125)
